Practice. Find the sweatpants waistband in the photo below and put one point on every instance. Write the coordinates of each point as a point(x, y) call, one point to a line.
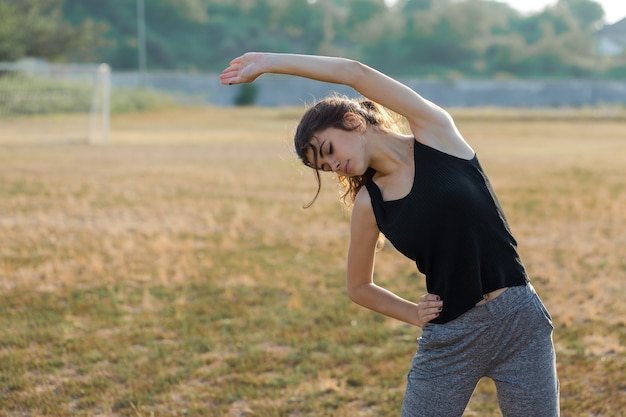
point(506, 303)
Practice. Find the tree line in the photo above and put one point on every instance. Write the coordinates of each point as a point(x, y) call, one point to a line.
point(438, 38)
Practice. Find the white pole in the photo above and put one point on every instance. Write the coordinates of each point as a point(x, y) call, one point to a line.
point(105, 71)
point(100, 106)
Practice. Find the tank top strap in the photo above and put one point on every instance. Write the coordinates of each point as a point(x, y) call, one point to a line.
point(374, 191)
point(376, 197)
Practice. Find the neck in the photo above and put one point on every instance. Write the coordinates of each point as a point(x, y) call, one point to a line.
point(389, 152)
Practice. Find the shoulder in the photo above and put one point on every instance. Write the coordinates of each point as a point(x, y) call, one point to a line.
point(364, 232)
point(442, 134)
point(362, 201)
point(362, 211)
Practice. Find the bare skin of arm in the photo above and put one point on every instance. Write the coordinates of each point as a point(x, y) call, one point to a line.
point(360, 284)
point(429, 124)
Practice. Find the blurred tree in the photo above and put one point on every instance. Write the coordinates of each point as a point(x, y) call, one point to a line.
point(410, 6)
point(335, 40)
point(194, 10)
point(533, 28)
point(412, 37)
point(120, 48)
point(587, 13)
point(11, 47)
point(367, 22)
point(302, 23)
point(437, 39)
point(360, 11)
point(502, 55)
point(172, 38)
point(37, 28)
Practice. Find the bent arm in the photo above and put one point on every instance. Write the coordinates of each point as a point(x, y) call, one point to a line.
point(360, 284)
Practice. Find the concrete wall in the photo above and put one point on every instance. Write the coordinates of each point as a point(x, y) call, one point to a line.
point(277, 90)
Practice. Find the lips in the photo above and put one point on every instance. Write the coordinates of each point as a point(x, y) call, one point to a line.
point(346, 168)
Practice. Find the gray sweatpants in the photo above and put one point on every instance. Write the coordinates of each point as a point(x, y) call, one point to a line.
point(508, 339)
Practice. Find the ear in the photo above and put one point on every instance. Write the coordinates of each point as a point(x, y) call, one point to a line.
point(353, 122)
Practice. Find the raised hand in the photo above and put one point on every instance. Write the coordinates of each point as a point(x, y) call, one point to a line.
point(243, 69)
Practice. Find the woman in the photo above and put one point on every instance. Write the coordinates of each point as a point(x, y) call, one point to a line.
point(427, 193)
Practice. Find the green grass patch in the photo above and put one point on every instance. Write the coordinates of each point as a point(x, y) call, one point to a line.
point(173, 271)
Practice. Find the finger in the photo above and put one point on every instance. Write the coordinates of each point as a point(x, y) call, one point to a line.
point(432, 311)
point(430, 308)
point(230, 81)
point(430, 317)
point(430, 297)
point(225, 79)
point(229, 76)
point(233, 69)
point(426, 318)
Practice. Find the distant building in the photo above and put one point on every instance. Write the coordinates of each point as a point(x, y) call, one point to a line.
point(612, 39)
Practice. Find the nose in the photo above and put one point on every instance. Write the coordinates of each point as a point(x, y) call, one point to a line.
point(334, 164)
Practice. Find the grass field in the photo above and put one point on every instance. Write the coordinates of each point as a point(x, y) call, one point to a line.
point(173, 271)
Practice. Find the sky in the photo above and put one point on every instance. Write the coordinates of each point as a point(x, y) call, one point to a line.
point(614, 10)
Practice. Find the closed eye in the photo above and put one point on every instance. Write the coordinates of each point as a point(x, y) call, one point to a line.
point(325, 167)
point(330, 148)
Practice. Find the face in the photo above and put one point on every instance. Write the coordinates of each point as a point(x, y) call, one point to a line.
point(339, 151)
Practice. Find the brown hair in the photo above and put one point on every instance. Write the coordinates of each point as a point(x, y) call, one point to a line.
point(328, 113)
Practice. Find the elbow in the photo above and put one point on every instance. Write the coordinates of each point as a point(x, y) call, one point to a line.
point(351, 294)
point(355, 293)
point(355, 71)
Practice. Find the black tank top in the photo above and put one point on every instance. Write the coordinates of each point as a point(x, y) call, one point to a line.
point(452, 225)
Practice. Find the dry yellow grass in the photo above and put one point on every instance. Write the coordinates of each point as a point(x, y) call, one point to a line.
point(184, 238)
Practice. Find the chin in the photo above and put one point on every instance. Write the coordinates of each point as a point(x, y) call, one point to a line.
point(359, 172)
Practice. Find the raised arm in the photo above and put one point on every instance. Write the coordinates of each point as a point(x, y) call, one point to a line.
point(367, 81)
point(429, 123)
